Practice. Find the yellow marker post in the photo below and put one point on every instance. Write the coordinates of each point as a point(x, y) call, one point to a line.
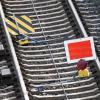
point(24, 25)
point(83, 73)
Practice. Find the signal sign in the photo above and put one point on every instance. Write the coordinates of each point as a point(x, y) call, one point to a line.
point(80, 49)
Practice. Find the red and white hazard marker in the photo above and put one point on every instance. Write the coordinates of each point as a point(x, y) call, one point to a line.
point(77, 49)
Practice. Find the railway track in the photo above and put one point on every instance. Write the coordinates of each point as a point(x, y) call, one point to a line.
point(45, 64)
point(89, 12)
point(9, 83)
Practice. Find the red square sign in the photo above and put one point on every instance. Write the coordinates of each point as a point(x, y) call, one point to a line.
point(80, 49)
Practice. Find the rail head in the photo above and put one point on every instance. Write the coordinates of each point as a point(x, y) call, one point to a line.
point(13, 54)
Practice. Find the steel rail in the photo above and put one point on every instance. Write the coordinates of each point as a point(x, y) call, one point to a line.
point(15, 60)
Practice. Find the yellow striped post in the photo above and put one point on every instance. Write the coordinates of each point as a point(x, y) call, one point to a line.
point(24, 25)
